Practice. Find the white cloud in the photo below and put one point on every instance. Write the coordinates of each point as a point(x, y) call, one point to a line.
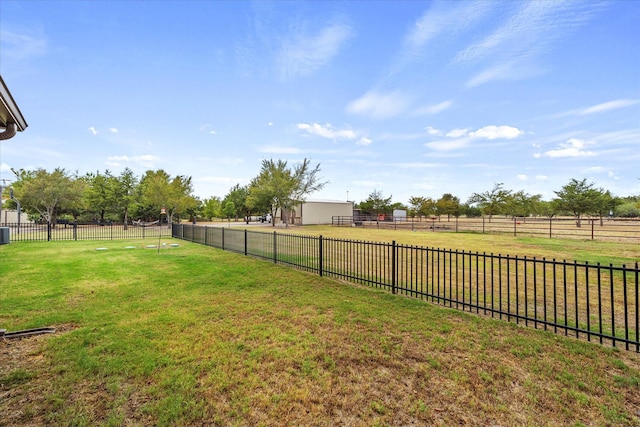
point(460, 138)
point(449, 144)
point(457, 133)
point(433, 109)
point(213, 132)
point(327, 131)
point(511, 51)
point(113, 130)
point(93, 130)
point(440, 19)
point(270, 124)
point(147, 160)
point(302, 55)
point(379, 105)
point(571, 148)
point(5, 167)
point(542, 177)
point(364, 141)
point(21, 47)
point(495, 132)
point(522, 177)
point(608, 106)
point(433, 131)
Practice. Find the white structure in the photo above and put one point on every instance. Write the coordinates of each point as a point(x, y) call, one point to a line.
point(399, 215)
point(319, 212)
point(10, 216)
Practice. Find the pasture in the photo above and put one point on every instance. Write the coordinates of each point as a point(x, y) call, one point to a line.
point(191, 335)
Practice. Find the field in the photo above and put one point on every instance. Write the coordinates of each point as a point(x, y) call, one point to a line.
point(191, 335)
point(607, 229)
point(593, 251)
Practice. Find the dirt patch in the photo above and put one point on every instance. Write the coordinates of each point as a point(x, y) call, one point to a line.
point(22, 360)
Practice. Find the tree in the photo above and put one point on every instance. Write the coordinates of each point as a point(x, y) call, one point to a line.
point(212, 208)
point(124, 190)
point(578, 197)
point(376, 203)
point(522, 204)
point(229, 210)
point(280, 187)
point(448, 205)
point(158, 189)
point(491, 202)
point(154, 193)
point(421, 206)
point(238, 195)
point(47, 193)
point(99, 194)
point(604, 203)
point(181, 201)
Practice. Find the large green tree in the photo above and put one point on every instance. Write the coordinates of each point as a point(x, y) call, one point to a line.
point(238, 195)
point(579, 197)
point(158, 190)
point(421, 206)
point(448, 205)
point(212, 208)
point(522, 204)
point(99, 195)
point(124, 193)
point(48, 193)
point(491, 202)
point(376, 204)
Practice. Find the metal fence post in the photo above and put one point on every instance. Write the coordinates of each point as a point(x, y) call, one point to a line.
point(75, 230)
point(222, 228)
point(245, 241)
point(48, 231)
point(394, 283)
point(320, 254)
point(275, 248)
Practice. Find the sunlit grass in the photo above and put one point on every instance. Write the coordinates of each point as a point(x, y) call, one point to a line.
point(192, 335)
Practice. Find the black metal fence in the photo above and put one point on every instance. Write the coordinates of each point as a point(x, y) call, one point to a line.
point(80, 231)
point(582, 300)
point(614, 229)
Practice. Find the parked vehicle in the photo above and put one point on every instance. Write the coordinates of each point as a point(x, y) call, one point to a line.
point(266, 218)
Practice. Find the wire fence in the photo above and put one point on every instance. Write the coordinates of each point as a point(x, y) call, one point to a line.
point(83, 231)
point(612, 229)
point(590, 301)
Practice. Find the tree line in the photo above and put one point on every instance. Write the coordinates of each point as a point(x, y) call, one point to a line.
point(102, 197)
point(278, 187)
point(577, 198)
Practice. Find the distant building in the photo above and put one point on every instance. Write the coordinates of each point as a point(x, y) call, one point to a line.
point(10, 216)
point(317, 212)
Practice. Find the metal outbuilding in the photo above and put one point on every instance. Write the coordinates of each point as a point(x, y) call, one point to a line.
point(319, 212)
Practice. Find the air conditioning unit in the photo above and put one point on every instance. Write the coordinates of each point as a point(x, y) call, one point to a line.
point(4, 235)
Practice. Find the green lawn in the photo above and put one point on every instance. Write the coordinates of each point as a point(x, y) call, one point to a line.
point(191, 335)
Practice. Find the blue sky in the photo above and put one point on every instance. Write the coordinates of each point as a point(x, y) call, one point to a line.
point(408, 98)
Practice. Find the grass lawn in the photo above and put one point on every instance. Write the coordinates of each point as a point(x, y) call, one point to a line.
point(192, 335)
